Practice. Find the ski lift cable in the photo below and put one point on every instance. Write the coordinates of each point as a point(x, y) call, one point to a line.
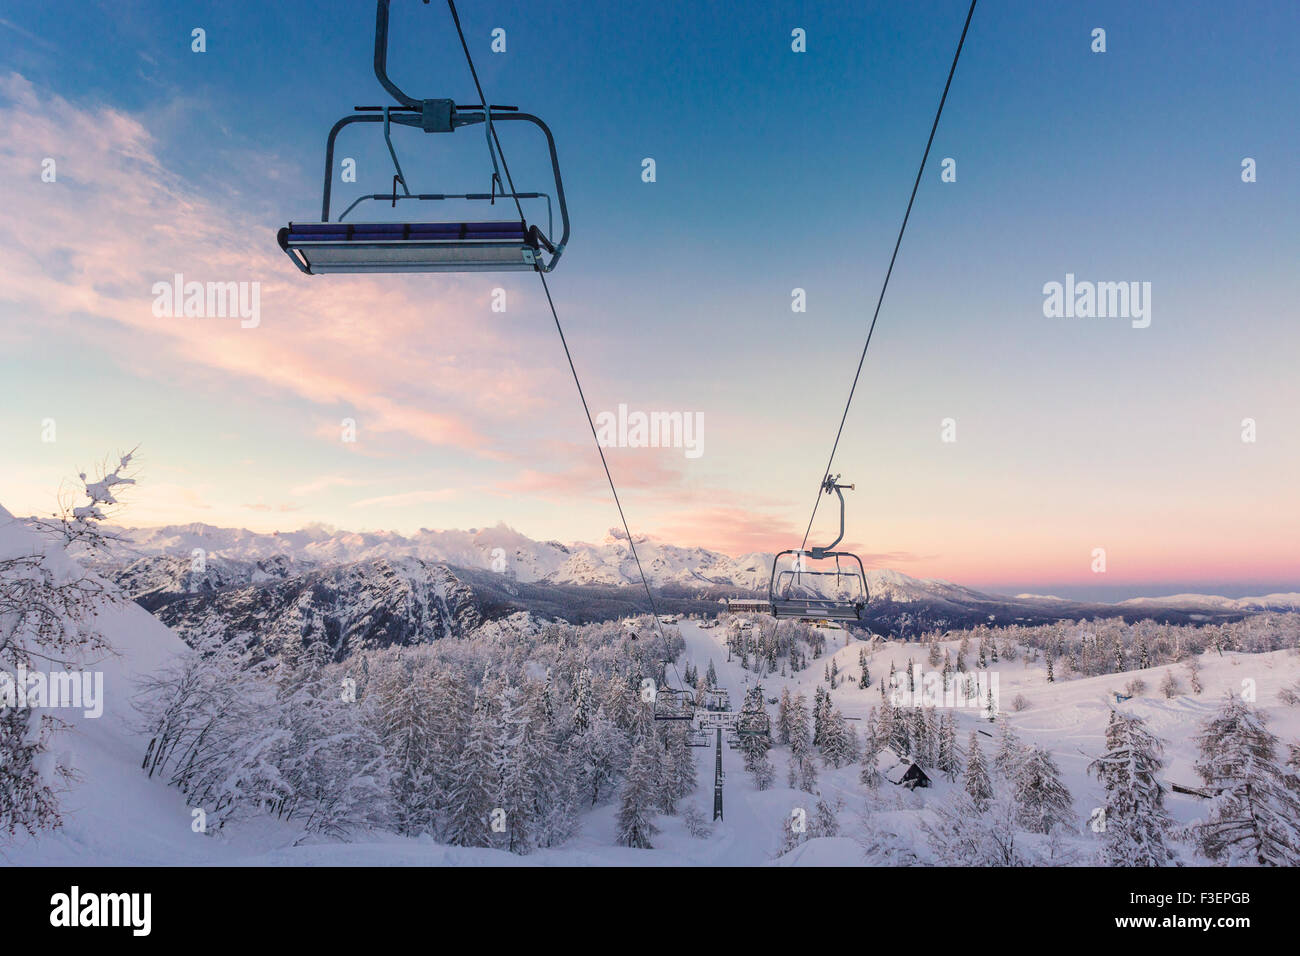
point(490, 130)
point(890, 271)
point(645, 583)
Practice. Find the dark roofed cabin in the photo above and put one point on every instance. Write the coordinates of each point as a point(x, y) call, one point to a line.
point(915, 777)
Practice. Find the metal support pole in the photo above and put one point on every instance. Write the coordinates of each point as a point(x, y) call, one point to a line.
point(717, 781)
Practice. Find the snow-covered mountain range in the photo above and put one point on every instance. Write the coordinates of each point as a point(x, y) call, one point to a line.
point(251, 557)
point(499, 549)
point(377, 589)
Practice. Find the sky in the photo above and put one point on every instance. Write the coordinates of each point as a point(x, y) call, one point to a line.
point(775, 171)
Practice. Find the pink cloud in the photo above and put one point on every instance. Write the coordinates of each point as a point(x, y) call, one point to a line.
point(408, 358)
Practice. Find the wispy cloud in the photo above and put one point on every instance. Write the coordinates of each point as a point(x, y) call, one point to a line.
point(406, 498)
point(326, 482)
point(88, 248)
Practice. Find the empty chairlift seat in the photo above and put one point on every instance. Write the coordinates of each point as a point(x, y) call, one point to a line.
point(328, 247)
point(801, 589)
point(805, 594)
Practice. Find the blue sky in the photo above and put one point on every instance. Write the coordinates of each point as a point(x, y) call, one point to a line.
point(775, 170)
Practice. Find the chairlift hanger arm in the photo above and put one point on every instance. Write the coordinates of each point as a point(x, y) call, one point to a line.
point(832, 483)
point(381, 59)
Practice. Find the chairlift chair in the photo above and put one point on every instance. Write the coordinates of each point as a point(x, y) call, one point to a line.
point(717, 699)
point(422, 246)
point(753, 723)
point(798, 592)
point(698, 738)
point(672, 704)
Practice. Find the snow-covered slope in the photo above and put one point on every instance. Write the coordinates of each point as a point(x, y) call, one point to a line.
point(112, 812)
point(1068, 718)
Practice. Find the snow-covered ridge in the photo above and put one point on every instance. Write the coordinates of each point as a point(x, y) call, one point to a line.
point(501, 548)
point(1289, 601)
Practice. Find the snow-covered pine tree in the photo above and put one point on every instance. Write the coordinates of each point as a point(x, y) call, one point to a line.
point(517, 796)
point(637, 810)
point(818, 715)
point(1042, 799)
point(901, 737)
point(800, 732)
point(1135, 821)
point(921, 736)
point(1010, 751)
point(451, 706)
point(583, 703)
point(792, 833)
point(402, 700)
point(679, 777)
point(783, 717)
point(870, 777)
point(839, 743)
point(599, 756)
point(329, 756)
point(962, 834)
point(1254, 815)
point(948, 760)
point(473, 795)
point(762, 771)
point(976, 781)
point(825, 823)
point(533, 791)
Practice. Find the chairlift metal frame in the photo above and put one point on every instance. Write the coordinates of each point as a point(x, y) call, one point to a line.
point(510, 245)
point(696, 737)
point(831, 609)
point(717, 699)
point(753, 723)
point(673, 704)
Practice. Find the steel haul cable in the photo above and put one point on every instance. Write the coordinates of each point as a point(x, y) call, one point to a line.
point(890, 271)
point(645, 583)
